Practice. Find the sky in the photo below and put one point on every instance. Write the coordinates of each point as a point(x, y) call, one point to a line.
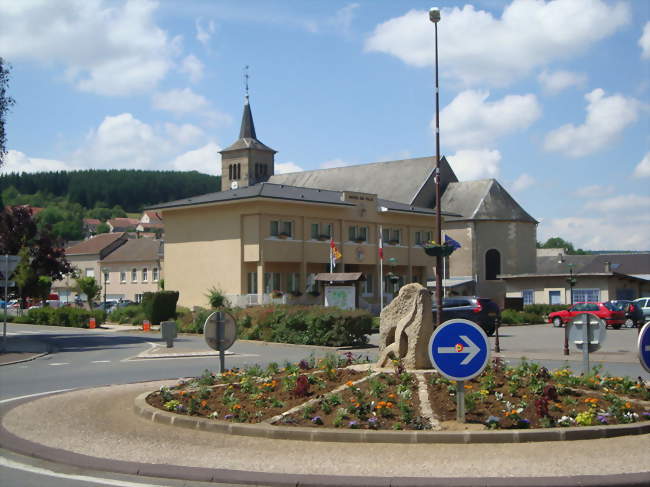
point(551, 98)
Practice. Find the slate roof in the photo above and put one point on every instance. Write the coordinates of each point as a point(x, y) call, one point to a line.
point(136, 250)
point(402, 181)
point(247, 137)
point(288, 193)
point(484, 199)
point(632, 264)
point(96, 244)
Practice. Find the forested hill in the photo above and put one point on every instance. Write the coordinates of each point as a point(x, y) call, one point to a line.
point(130, 188)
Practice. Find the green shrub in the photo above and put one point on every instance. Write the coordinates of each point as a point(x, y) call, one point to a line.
point(544, 309)
point(312, 325)
point(159, 306)
point(65, 316)
point(133, 315)
point(216, 298)
point(513, 317)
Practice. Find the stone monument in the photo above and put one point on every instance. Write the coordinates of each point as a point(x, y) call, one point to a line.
point(405, 328)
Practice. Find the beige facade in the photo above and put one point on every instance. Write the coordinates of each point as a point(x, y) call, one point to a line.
point(238, 246)
point(130, 280)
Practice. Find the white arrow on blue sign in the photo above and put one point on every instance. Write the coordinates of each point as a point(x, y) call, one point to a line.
point(644, 347)
point(459, 349)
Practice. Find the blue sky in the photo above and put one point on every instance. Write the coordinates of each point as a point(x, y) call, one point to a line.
point(549, 97)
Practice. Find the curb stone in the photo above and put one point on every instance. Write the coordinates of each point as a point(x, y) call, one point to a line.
point(264, 430)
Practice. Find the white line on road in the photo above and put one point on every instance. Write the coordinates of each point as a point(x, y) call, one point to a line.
point(5, 462)
point(35, 395)
point(101, 361)
point(59, 363)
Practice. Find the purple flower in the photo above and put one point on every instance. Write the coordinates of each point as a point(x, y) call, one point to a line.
point(303, 364)
point(317, 420)
point(229, 416)
point(353, 424)
point(602, 418)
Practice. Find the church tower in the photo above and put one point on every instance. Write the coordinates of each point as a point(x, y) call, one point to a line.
point(248, 161)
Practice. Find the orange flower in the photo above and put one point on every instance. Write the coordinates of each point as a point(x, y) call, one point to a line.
point(204, 403)
point(391, 396)
point(237, 406)
point(357, 405)
point(349, 383)
point(182, 393)
point(628, 405)
point(469, 386)
point(389, 405)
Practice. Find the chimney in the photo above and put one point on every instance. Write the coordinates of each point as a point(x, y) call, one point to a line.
point(608, 266)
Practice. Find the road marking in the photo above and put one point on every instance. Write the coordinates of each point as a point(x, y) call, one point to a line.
point(101, 361)
point(5, 462)
point(59, 363)
point(25, 333)
point(34, 395)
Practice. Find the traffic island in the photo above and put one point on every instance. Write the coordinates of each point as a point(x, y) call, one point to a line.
point(329, 401)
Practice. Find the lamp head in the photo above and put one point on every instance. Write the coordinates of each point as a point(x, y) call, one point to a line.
point(434, 15)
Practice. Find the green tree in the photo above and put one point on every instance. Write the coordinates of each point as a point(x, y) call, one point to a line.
point(6, 102)
point(560, 243)
point(103, 228)
point(89, 287)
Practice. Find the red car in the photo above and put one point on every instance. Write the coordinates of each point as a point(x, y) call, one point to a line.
point(611, 314)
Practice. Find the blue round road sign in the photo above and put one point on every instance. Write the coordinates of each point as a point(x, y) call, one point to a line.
point(644, 347)
point(459, 349)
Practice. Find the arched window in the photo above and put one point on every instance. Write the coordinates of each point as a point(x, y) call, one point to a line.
point(492, 264)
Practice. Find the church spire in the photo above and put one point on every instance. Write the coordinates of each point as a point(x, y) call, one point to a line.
point(247, 130)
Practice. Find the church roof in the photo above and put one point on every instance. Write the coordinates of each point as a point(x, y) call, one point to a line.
point(404, 181)
point(247, 137)
point(484, 199)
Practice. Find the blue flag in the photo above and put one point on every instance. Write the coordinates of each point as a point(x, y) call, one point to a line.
point(451, 242)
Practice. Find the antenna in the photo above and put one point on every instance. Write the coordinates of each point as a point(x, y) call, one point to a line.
point(246, 76)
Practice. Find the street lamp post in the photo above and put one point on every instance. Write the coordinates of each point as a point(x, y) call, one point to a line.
point(572, 282)
point(105, 273)
point(434, 16)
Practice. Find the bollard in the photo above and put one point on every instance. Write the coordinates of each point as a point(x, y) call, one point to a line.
point(92, 323)
point(146, 326)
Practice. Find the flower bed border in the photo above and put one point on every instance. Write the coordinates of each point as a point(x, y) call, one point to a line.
point(265, 430)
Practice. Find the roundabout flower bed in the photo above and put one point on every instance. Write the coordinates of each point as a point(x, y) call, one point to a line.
point(334, 393)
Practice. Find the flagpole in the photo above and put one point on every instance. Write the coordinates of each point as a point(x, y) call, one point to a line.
point(381, 268)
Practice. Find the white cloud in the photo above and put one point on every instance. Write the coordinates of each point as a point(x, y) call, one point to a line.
point(607, 117)
point(478, 48)
point(554, 82)
point(334, 163)
point(106, 48)
point(205, 159)
point(470, 121)
point(184, 134)
point(620, 204)
point(344, 17)
point(286, 167)
point(524, 181)
point(594, 191)
point(600, 233)
point(642, 169)
point(193, 67)
point(18, 162)
point(475, 164)
point(204, 34)
point(644, 41)
point(180, 101)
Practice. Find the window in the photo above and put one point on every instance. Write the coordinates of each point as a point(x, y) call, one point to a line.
point(272, 282)
point(358, 233)
point(138, 298)
point(134, 275)
point(280, 228)
point(122, 276)
point(155, 274)
point(529, 296)
point(321, 231)
point(294, 282)
point(391, 235)
point(367, 285)
point(89, 272)
point(492, 264)
point(586, 295)
point(145, 275)
point(423, 237)
point(252, 282)
point(554, 297)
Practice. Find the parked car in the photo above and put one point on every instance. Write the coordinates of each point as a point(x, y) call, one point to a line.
point(482, 311)
point(123, 303)
point(611, 314)
point(633, 312)
point(53, 300)
point(644, 305)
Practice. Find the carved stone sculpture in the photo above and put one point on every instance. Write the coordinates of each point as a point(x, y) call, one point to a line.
point(405, 327)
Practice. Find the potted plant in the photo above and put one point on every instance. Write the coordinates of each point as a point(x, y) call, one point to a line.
point(284, 235)
point(434, 250)
point(275, 294)
point(323, 237)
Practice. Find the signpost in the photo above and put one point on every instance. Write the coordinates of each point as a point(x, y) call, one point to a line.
point(643, 345)
point(587, 329)
point(9, 263)
point(459, 350)
point(220, 332)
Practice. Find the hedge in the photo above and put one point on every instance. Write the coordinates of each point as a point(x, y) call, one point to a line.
point(133, 314)
point(532, 314)
point(159, 306)
point(308, 325)
point(65, 316)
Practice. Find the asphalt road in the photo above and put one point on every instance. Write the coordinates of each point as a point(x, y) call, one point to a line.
point(85, 358)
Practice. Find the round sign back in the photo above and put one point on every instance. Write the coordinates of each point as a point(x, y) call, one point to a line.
point(596, 331)
point(228, 330)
